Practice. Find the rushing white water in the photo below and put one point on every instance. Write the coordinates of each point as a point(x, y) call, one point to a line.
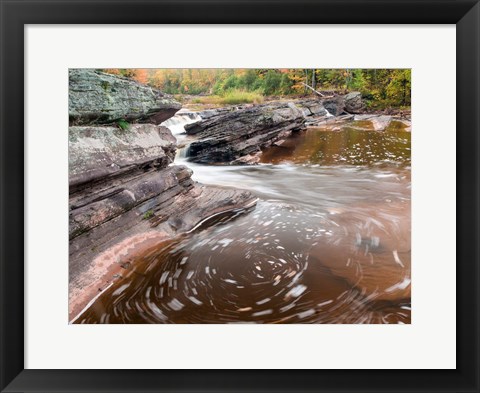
point(177, 123)
point(286, 180)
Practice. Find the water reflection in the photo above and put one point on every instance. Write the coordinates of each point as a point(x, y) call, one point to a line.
point(351, 144)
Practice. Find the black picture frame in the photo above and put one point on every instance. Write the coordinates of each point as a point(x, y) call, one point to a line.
point(15, 14)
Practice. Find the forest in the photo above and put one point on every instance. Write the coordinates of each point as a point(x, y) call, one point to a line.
point(380, 88)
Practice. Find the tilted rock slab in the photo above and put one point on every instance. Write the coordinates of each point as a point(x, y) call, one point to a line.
point(96, 97)
point(238, 136)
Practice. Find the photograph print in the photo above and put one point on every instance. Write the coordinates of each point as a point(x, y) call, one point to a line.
point(215, 196)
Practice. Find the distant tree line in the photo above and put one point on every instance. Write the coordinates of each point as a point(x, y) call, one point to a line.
point(379, 87)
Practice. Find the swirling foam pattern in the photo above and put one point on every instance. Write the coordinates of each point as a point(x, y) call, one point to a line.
point(263, 267)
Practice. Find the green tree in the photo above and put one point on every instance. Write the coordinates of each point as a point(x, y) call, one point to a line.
point(286, 84)
point(398, 89)
point(272, 82)
point(248, 79)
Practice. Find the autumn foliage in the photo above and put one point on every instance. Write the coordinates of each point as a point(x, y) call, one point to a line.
point(379, 87)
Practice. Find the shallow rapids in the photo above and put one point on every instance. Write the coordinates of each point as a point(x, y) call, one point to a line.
point(328, 242)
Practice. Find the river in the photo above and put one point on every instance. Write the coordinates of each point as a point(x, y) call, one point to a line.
point(328, 241)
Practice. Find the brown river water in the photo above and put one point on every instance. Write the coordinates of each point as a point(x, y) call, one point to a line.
point(328, 242)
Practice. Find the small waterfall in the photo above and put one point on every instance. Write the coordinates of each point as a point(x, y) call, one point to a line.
point(176, 124)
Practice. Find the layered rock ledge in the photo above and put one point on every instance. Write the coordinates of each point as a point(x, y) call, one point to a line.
point(237, 136)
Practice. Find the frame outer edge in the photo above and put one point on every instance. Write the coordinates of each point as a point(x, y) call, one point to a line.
point(468, 195)
point(12, 195)
point(11, 203)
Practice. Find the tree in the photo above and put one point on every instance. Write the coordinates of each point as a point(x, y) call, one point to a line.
point(141, 75)
point(286, 84)
point(248, 79)
point(399, 87)
point(272, 82)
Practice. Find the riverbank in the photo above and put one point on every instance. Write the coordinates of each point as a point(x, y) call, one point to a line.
point(205, 102)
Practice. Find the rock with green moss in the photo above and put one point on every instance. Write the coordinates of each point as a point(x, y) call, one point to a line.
point(96, 97)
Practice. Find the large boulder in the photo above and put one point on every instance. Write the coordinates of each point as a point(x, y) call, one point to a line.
point(349, 103)
point(335, 106)
point(230, 137)
point(96, 97)
point(353, 102)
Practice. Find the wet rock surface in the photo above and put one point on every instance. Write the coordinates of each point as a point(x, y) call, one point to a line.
point(96, 97)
